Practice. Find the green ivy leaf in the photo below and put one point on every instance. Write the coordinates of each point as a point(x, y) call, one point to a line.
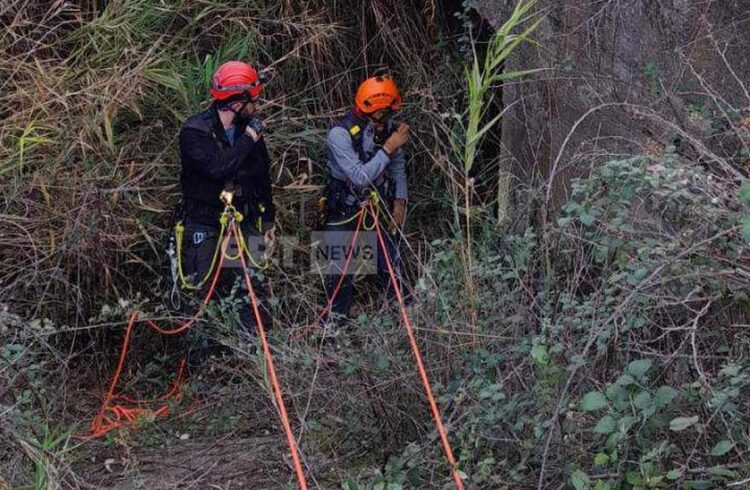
point(580, 480)
point(664, 396)
point(350, 484)
point(722, 471)
point(625, 380)
point(639, 368)
point(350, 368)
point(746, 227)
point(637, 276)
point(613, 440)
point(722, 447)
point(633, 478)
point(682, 423)
point(601, 459)
point(642, 400)
point(619, 398)
point(539, 354)
point(593, 400)
point(745, 193)
point(700, 484)
point(730, 370)
point(587, 218)
point(625, 423)
point(674, 474)
point(606, 425)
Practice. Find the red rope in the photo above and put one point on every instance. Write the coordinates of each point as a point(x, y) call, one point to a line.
point(112, 416)
point(276, 387)
point(122, 415)
point(418, 357)
point(332, 297)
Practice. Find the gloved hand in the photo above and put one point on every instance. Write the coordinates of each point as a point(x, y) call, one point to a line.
point(254, 128)
point(269, 240)
point(399, 212)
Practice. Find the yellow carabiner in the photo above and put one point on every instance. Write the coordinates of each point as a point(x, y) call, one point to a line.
point(227, 197)
point(375, 201)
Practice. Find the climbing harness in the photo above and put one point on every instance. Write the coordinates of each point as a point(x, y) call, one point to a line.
point(359, 216)
point(179, 235)
point(374, 199)
point(113, 415)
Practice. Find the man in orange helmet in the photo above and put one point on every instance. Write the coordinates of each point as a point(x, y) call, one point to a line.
point(222, 148)
point(365, 155)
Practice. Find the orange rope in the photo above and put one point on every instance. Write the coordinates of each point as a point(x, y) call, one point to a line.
point(121, 415)
point(206, 299)
point(336, 290)
point(115, 416)
point(276, 387)
point(418, 357)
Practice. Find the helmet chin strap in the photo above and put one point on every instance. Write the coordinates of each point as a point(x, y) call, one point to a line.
point(238, 114)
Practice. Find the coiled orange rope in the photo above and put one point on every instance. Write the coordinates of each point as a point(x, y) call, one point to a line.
point(112, 415)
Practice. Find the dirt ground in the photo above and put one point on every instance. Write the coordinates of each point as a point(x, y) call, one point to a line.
point(230, 439)
point(222, 463)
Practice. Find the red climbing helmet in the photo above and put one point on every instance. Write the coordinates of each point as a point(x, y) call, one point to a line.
point(235, 78)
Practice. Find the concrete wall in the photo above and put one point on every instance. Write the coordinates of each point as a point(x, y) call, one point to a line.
point(640, 60)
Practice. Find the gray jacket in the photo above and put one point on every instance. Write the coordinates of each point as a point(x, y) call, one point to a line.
point(345, 164)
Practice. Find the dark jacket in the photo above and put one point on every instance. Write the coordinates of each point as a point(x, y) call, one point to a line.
point(210, 164)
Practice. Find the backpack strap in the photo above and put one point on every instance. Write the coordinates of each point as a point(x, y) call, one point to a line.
point(355, 128)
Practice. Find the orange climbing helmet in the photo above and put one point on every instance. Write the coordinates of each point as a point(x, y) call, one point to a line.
point(235, 78)
point(376, 94)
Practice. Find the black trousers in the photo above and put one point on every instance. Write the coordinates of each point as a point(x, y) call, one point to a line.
point(344, 297)
point(198, 248)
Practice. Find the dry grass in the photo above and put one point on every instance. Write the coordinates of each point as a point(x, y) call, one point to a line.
point(92, 98)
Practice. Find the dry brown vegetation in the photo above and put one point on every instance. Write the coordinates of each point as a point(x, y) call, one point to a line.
point(602, 345)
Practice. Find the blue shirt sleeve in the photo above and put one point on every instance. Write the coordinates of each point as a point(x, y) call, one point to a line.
point(361, 174)
point(397, 172)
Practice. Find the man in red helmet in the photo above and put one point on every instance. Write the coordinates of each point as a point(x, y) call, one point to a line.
point(365, 155)
point(222, 148)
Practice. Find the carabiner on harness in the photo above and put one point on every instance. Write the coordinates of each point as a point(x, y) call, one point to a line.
point(174, 296)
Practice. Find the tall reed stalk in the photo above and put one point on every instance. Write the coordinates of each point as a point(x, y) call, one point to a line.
point(483, 78)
